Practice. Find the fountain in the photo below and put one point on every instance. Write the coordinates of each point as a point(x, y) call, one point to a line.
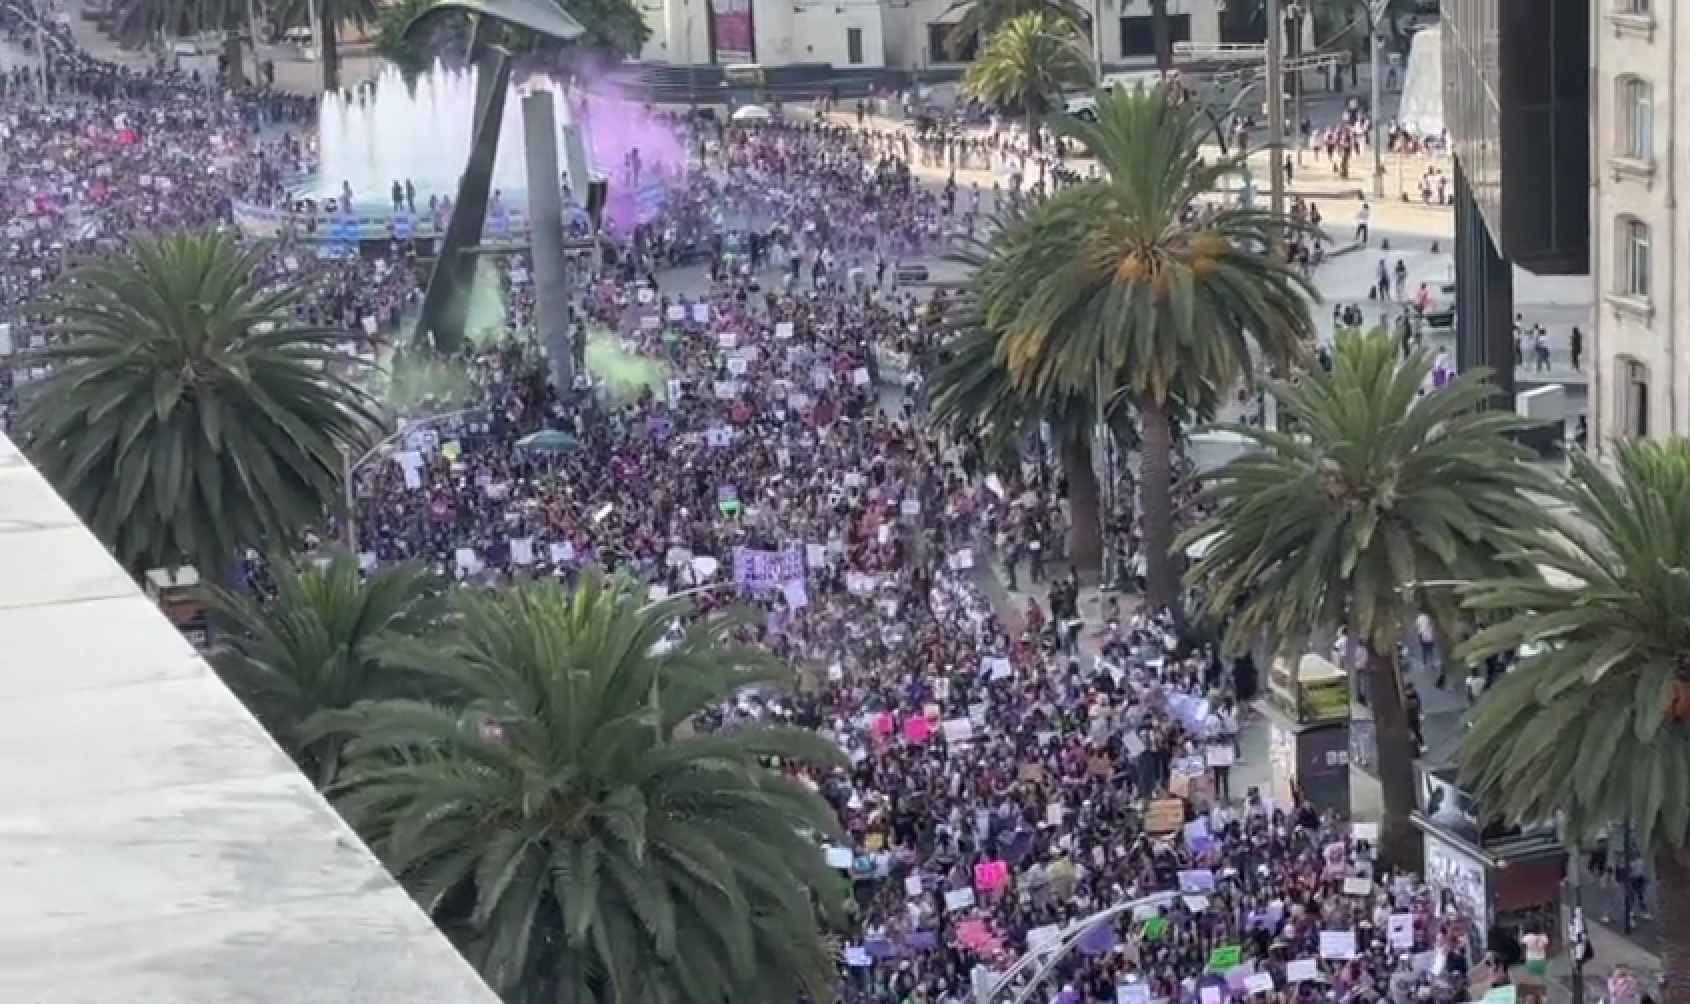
point(390, 131)
point(1421, 107)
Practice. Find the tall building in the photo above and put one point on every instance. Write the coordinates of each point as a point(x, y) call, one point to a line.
point(1517, 103)
point(1639, 335)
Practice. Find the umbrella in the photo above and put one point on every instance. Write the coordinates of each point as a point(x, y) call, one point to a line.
point(751, 113)
point(548, 441)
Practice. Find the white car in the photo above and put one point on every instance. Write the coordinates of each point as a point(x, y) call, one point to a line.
point(1081, 106)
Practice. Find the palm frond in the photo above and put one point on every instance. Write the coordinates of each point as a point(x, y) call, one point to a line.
point(187, 414)
point(1385, 486)
point(317, 645)
point(564, 819)
point(1588, 727)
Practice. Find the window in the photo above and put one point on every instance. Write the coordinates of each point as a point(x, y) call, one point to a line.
point(854, 46)
point(1641, 8)
point(1635, 106)
point(1138, 36)
point(1632, 405)
point(1633, 253)
point(940, 49)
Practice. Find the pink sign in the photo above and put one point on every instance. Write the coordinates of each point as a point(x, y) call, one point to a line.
point(989, 876)
point(917, 728)
point(973, 933)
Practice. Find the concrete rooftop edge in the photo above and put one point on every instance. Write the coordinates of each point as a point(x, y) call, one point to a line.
point(156, 846)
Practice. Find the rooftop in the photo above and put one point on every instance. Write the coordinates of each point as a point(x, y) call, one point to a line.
point(156, 847)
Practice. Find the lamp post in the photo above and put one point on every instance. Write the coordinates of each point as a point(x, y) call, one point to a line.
point(1276, 116)
point(350, 466)
point(1294, 41)
point(1376, 46)
point(1038, 963)
point(1097, 40)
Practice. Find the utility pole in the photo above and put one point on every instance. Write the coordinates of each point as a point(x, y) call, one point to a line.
point(1376, 47)
point(1276, 114)
point(1097, 40)
point(1576, 934)
point(1294, 21)
point(1276, 158)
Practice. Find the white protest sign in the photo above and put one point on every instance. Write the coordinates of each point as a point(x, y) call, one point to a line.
point(1337, 944)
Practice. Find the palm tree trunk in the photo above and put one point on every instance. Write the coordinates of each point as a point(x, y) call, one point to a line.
point(1156, 495)
point(1399, 840)
point(1035, 115)
point(1085, 541)
point(1672, 893)
point(1162, 35)
point(330, 46)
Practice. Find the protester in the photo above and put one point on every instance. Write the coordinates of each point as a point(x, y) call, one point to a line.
point(1011, 772)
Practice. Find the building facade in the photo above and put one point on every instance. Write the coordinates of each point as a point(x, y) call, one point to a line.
point(1640, 373)
point(875, 34)
point(1517, 102)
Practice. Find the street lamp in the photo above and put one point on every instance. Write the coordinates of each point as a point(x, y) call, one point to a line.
point(1276, 116)
point(1041, 961)
point(1294, 41)
point(1376, 45)
point(350, 467)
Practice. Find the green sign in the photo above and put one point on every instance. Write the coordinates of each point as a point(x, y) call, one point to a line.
point(1224, 957)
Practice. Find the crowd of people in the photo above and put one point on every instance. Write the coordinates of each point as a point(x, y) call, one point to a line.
point(1013, 771)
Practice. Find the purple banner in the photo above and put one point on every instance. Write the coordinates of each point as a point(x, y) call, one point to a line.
point(768, 570)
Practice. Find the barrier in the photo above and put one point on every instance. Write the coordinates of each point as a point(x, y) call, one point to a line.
point(328, 224)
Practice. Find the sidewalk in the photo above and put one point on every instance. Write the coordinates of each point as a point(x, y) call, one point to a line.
point(1339, 199)
point(293, 73)
point(1610, 949)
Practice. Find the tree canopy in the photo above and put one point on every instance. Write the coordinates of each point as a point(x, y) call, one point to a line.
point(568, 828)
point(1133, 275)
point(1388, 494)
point(186, 412)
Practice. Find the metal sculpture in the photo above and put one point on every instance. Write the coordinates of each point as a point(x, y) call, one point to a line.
point(445, 307)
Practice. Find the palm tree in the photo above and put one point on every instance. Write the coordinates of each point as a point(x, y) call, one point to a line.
point(981, 19)
point(411, 55)
point(186, 414)
point(1027, 64)
point(331, 16)
point(1589, 727)
point(316, 645)
point(564, 828)
point(142, 23)
point(1384, 494)
point(1123, 275)
point(971, 396)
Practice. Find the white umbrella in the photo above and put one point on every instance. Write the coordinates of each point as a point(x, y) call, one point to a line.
point(751, 113)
